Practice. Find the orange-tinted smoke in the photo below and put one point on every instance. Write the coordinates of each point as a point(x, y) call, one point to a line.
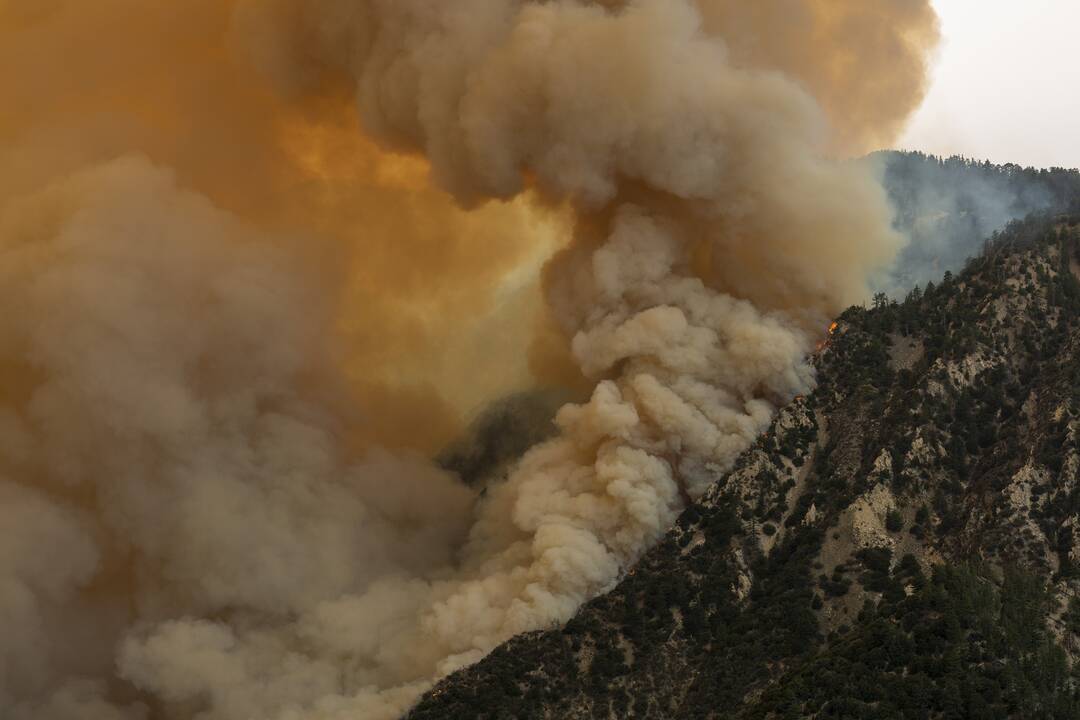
point(425, 287)
point(865, 62)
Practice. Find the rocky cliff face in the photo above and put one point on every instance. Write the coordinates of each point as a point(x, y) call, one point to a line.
point(903, 543)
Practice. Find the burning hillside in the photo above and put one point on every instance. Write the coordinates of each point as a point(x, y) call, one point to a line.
point(238, 323)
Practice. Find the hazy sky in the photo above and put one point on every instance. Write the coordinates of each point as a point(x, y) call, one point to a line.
point(1006, 85)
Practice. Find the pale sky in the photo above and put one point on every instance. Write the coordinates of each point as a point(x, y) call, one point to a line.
point(1006, 83)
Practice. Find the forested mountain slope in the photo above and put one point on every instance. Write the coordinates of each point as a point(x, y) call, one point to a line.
point(903, 543)
point(947, 207)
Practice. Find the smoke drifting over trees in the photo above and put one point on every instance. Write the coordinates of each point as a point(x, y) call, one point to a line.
point(947, 208)
point(224, 304)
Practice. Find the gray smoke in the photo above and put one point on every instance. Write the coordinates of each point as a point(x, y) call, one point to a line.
point(948, 207)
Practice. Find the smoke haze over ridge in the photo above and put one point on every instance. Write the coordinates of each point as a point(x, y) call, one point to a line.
point(948, 208)
point(223, 302)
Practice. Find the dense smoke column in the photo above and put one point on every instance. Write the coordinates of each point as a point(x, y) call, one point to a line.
point(641, 104)
point(865, 63)
point(179, 454)
point(178, 415)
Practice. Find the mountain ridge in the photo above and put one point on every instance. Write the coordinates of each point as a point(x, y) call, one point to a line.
point(923, 499)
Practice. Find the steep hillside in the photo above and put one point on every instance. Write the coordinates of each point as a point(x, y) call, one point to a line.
point(903, 543)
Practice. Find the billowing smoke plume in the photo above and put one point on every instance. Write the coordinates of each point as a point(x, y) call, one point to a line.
point(194, 525)
point(865, 63)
